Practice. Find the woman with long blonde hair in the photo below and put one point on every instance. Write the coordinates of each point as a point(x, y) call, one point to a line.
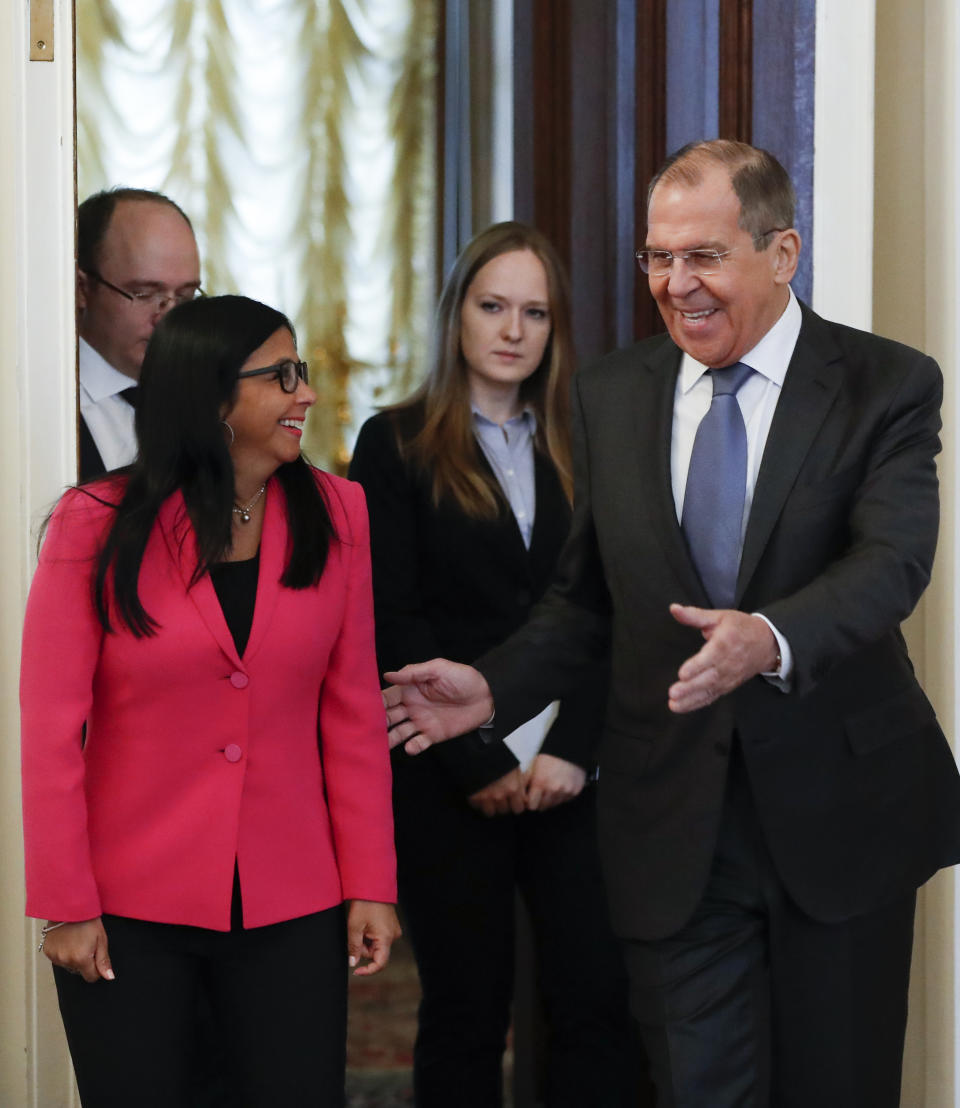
point(469, 486)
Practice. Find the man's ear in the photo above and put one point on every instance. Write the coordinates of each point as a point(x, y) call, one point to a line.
point(83, 288)
point(787, 256)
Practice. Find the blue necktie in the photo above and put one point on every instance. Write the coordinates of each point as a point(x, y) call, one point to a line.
point(716, 486)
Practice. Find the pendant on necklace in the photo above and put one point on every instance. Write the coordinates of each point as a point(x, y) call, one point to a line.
point(243, 510)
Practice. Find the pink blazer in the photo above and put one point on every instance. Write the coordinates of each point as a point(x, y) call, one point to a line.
point(194, 756)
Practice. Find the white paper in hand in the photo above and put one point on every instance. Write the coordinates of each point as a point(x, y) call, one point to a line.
point(526, 740)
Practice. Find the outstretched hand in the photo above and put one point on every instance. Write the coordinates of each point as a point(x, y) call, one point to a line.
point(738, 646)
point(432, 701)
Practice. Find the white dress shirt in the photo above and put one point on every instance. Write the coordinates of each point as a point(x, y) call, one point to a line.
point(757, 397)
point(108, 416)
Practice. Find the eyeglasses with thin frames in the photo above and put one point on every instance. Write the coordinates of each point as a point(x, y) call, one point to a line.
point(288, 373)
point(154, 300)
point(701, 263)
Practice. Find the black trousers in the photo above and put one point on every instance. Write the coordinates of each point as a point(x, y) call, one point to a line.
point(755, 1004)
point(278, 997)
point(459, 872)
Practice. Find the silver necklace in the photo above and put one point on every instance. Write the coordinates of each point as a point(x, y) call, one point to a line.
point(243, 510)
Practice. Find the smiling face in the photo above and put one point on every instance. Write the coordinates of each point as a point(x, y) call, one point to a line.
point(267, 422)
point(147, 246)
point(504, 324)
point(717, 319)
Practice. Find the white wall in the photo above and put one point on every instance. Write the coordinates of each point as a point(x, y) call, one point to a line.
point(886, 257)
point(939, 116)
point(843, 162)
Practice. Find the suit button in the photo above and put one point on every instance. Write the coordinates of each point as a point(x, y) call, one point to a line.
point(233, 753)
point(722, 748)
point(239, 680)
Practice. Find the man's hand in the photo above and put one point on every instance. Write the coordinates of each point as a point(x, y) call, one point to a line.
point(738, 646)
point(80, 948)
point(552, 781)
point(501, 797)
point(372, 929)
point(433, 701)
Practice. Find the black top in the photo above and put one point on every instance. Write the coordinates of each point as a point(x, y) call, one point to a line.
point(235, 584)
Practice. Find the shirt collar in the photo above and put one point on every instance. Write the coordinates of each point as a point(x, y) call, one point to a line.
point(770, 357)
point(98, 376)
point(526, 418)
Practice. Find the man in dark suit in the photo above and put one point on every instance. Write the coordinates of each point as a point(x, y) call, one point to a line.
point(773, 783)
point(136, 259)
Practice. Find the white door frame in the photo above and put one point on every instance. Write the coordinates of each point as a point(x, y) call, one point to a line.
point(37, 458)
point(844, 178)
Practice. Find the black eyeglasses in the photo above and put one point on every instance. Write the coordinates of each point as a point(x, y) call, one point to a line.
point(288, 373)
point(154, 300)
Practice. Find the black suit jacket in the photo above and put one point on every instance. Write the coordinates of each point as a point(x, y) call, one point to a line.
point(91, 464)
point(855, 785)
point(447, 585)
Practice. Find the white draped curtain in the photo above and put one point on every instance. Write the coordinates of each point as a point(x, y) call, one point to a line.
point(300, 138)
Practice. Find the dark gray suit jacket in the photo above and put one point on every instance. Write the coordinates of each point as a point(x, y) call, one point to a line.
point(856, 787)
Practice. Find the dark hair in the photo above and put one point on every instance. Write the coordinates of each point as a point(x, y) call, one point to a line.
point(189, 376)
point(445, 446)
point(93, 219)
point(763, 186)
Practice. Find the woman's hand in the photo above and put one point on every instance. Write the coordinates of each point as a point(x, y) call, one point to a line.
point(552, 781)
point(80, 948)
point(502, 796)
point(372, 929)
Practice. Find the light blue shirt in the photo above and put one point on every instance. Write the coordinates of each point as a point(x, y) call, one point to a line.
point(509, 450)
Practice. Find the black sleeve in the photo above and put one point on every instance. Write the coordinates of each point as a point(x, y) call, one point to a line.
point(569, 630)
point(395, 501)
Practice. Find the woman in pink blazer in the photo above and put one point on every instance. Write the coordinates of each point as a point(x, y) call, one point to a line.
point(205, 767)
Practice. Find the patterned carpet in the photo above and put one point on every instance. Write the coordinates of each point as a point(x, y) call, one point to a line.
point(380, 1034)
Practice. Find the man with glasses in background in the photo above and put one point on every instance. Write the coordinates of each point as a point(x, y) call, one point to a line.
point(755, 513)
point(136, 258)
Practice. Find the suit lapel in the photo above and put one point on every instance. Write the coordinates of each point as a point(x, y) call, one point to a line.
point(181, 543)
point(273, 555)
point(551, 519)
point(652, 403)
point(809, 388)
point(506, 535)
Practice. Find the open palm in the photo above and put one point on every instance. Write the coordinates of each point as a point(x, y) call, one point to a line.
point(432, 701)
